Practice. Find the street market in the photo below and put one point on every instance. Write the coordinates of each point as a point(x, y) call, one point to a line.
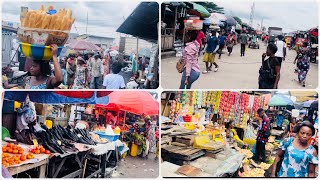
point(210, 45)
point(68, 134)
point(56, 46)
point(219, 133)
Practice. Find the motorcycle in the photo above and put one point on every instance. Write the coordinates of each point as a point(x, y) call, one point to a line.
point(314, 53)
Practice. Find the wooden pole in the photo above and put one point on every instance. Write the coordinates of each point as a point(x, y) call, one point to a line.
point(174, 25)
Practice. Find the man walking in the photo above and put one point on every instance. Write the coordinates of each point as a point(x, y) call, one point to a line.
point(243, 41)
point(97, 71)
point(222, 40)
point(262, 137)
point(281, 52)
point(211, 48)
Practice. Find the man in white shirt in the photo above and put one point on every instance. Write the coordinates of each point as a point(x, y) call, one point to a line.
point(114, 80)
point(281, 52)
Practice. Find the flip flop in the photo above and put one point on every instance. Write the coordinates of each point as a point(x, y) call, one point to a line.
point(216, 69)
point(205, 72)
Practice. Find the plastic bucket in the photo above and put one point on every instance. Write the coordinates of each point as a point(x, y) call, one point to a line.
point(134, 150)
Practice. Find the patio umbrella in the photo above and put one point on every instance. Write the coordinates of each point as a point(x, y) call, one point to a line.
point(137, 103)
point(315, 105)
point(200, 9)
point(279, 100)
point(231, 21)
point(308, 103)
point(82, 45)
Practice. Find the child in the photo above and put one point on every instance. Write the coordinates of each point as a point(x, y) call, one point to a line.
point(291, 127)
point(114, 80)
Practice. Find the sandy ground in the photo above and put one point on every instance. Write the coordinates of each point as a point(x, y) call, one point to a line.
point(237, 72)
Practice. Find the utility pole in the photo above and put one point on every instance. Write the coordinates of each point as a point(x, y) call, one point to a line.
point(252, 15)
point(87, 25)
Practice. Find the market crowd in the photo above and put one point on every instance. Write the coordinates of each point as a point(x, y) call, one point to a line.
point(297, 153)
point(96, 70)
point(211, 44)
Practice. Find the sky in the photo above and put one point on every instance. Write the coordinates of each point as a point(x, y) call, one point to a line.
point(290, 15)
point(103, 17)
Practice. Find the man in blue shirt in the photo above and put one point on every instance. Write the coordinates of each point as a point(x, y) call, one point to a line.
point(211, 49)
point(221, 44)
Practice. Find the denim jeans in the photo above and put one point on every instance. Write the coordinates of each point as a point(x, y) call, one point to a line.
point(95, 83)
point(194, 75)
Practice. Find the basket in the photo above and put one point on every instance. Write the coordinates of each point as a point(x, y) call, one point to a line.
point(38, 52)
point(42, 36)
point(187, 118)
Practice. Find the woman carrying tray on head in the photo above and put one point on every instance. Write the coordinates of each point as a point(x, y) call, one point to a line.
point(41, 73)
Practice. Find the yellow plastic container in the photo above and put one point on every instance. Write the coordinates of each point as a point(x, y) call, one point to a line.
point(134, 150)
point(49, 124)
point(16, 105)
point(117, 130)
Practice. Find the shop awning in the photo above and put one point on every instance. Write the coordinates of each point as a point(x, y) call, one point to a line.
point(142, 22)
point(137, 103)
point(200, 9)
point(59, 97)
point(279, 100)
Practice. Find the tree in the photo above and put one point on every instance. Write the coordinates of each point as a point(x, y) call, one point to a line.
point(238, 19)
point(212, 7)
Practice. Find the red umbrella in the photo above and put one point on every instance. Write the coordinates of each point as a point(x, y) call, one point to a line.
point(82, 45)
point(82, 94)
point(135, 102)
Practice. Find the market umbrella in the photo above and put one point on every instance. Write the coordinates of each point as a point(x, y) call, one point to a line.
point(231, 21)
point(308, 103)
point(315, 105)
point(199, 8)
point(137, 103)
point(279, 100)
point(298, 105)
point(82, 45)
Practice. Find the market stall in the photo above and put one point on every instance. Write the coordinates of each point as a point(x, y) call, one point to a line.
point(203, 130)
point(69, 149)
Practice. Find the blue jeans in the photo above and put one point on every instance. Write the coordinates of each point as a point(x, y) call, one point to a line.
point(194, 75)
point(95, 83)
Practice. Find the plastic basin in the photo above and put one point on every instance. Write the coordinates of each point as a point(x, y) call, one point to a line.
point(108, 137)
point(38, 52)
point(5, 133)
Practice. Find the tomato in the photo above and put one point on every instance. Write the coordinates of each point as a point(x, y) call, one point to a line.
point(47, 152)
point(33, 150)
point(37, 151)
point(42, 150)
point(4, 149)
point(9, 150)
point(15, 151)
point(23, 157)
point(21, 151)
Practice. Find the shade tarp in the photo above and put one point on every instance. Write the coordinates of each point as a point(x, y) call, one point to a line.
point(279, 100)
point(137, 103)
point(59, 97)
point(142, 22)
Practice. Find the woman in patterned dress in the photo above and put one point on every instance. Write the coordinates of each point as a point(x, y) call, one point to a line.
point(303, 63)
point(299, 157)
point(80, 81)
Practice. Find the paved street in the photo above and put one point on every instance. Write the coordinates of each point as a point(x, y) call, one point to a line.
point(237, 72)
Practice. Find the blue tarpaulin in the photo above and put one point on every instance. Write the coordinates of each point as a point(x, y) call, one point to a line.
point(50, 97)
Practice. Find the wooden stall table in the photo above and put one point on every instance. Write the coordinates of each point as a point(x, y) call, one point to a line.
point(41, 165)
